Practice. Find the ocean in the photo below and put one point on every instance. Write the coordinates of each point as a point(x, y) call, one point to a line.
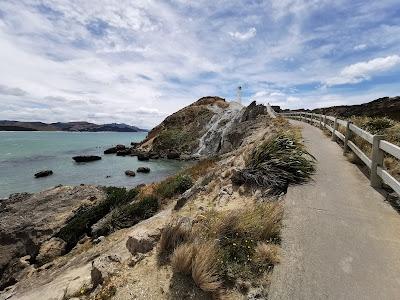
point(22, 154)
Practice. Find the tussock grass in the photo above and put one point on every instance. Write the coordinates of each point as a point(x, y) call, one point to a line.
point(204, 267)
point(267, 254)
point(223, 247)
point(182, 258)
point(173, 235)
point(201, 168)
point(278, 162)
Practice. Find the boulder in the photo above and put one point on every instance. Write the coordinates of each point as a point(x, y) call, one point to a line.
point(143, 170)
point(173, 155)
point(43, 173)
point(154, 155)
point(103, 267)
point(86, 158)
point(143, 156)
point(134, 144)
point(142, 242)
point(50, 249)
point(130, 173)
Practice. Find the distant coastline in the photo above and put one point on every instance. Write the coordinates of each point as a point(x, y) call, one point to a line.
point(6, 125)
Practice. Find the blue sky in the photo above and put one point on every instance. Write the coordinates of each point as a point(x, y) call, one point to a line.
point(138, 61)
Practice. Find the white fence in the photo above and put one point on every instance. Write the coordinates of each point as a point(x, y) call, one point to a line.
point(378, 172)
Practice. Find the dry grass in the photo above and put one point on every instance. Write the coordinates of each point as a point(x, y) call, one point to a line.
point(173, 235)
point(267, 253)
point(224, 247)
point(201, 168)
point(182, 258)
point(204, 268)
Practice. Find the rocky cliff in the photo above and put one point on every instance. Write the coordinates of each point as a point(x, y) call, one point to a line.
point(207, 127)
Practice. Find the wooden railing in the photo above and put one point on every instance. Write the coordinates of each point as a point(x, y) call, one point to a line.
point(380, 147)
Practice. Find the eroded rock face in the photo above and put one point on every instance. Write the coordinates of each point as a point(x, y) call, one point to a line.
point(27, 221)
point(103, 267)
point(50, 250)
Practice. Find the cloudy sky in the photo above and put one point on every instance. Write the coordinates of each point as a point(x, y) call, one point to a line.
point(138, 61)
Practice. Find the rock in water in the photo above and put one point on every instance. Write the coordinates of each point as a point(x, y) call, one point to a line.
point(43, 173)
point(130, 173)
point(143, 170)
point(143, 156)
point(86, 158)
point(115, 149)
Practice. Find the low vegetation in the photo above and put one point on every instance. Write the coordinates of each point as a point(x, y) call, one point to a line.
point(278, 162)
point(390, 129)
point(80, 224)
point(174, 185)
point(223, 248)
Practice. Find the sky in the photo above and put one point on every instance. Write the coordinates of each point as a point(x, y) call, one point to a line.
point(138, 61)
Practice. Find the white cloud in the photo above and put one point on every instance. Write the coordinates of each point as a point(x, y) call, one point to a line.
point(361, 71)
point(244, 36)
point(360, 47)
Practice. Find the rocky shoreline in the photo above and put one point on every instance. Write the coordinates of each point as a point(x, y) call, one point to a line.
point(78, 242)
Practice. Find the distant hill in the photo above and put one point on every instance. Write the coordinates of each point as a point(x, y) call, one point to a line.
point(69, 126)
point(386, 106)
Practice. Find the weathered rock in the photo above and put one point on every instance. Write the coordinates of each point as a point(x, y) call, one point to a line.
point(86, 158)
point(103, 267)
point(43, 173)
point(143, 170)
point(50, 250)
point(143, 156)
point(124, 152)
point(134, 144)
point(142, 243)
point(29, 220)
point(173, 155)
point(130, 173)
point(154, 155)
point(114, 149)
point(99, 240)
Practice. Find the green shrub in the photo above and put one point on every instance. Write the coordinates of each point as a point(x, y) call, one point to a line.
point(131, 214)
point(278, 162)
point(81, 222)
point(174, 185)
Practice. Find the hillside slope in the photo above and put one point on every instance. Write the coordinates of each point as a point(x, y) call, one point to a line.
point(382, 107)
point(6, 125)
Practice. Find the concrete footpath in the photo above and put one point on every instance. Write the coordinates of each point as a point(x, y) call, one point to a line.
point(340, 239)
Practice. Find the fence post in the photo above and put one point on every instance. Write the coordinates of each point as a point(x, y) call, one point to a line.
point(320, 121)
point(377, 161)
point(346, 138)
point(325, 121)
point(335, 125)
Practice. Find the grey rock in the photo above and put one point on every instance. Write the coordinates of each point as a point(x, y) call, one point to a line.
point(143, 170)
point(130, 173)
point(43, 173)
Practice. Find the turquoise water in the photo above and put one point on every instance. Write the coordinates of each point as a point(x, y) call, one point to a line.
point(22, 154)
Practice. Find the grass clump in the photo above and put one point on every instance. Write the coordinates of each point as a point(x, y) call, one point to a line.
point(174, 185)
point(278, 162)
point(81, 222)
point(224, 247)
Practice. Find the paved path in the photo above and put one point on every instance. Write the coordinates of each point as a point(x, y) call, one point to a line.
point(340, 240)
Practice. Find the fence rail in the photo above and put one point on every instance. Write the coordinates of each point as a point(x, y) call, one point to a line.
point(380, 147)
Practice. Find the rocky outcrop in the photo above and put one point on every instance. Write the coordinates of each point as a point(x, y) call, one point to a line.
point(44, 173)
point(143, 170)
point(86, 158)
point(29, 221)
point(115, 149)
